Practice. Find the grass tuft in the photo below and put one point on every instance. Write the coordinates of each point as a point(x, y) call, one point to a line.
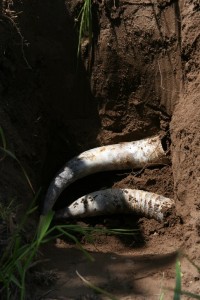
point(85, 24)
point(19, 257)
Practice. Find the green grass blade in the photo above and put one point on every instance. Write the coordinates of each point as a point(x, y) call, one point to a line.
point(192, 263)
point(161, 297)
point(191, 295)
point(186, 293)
point(96, 288)
point(19, 267)
point(73, 238)
point(44, 225)
point(84, 230)
point(15, 281)
point(177, 290)
point(32, 210)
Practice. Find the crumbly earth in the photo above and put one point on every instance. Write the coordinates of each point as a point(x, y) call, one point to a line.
point(141, 78)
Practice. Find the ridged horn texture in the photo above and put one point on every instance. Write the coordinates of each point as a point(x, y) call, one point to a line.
point(128, 155)
point(113, 201)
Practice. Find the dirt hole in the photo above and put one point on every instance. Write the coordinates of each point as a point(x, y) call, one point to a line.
point(143, 80)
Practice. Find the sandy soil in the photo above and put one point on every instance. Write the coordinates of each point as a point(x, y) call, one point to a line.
point(143, 80)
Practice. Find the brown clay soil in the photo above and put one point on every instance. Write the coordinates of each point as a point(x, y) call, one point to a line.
point(141, 78)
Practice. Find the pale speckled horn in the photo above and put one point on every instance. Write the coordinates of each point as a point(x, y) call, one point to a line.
point(128, 155)
point(113, 201)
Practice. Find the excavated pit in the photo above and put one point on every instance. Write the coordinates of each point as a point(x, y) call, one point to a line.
point(143, 73)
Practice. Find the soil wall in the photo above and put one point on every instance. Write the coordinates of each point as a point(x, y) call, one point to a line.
point(136, 72)
point(185, 127)
point(47, 110)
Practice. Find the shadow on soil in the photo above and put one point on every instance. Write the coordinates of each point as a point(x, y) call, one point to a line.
point(117, 274)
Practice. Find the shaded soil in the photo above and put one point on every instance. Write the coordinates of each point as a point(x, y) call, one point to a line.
point(141, 79)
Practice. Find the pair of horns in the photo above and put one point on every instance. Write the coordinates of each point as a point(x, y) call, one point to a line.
point(128, 155)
